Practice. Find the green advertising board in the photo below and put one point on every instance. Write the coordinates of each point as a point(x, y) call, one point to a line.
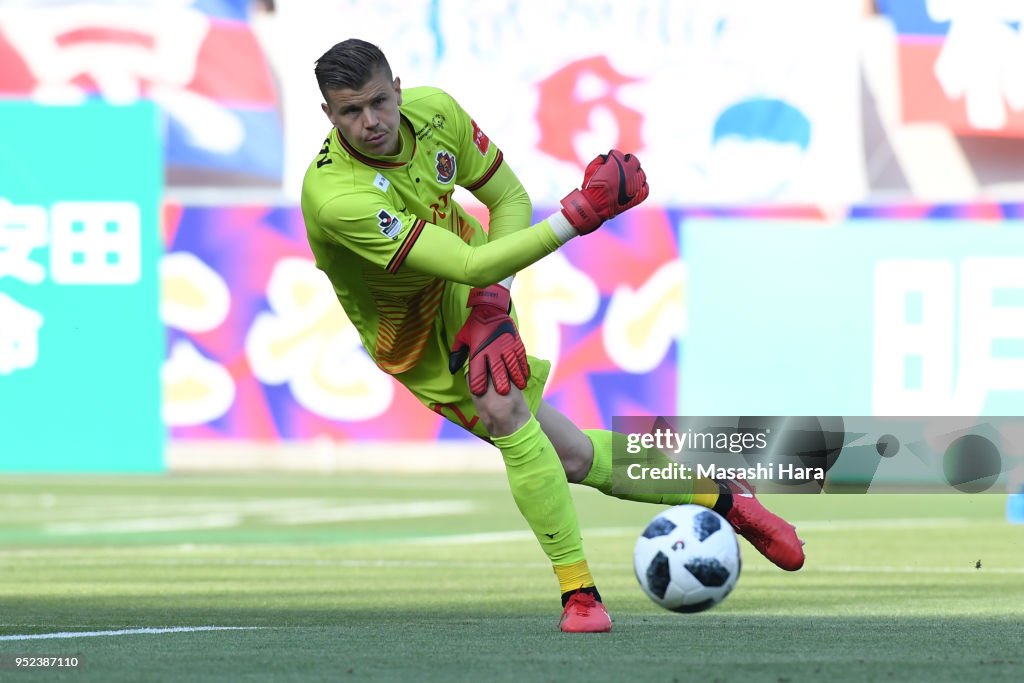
point(81, 343)
point(879, 317)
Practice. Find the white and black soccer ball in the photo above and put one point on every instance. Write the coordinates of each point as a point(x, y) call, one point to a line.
point(687, 559)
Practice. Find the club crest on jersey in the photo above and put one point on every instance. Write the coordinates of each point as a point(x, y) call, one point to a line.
point(445, 167)
point(390, 226)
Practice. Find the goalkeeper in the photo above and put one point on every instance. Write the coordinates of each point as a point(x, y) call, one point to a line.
point(428, 290)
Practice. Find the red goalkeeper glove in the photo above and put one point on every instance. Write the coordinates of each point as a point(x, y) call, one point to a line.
point(612, 183)
point(491, 342)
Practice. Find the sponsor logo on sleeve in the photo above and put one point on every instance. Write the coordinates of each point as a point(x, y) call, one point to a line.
point(390, 226)
point(480, 139)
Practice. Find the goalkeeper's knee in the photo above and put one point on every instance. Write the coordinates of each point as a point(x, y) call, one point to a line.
point(502, 414)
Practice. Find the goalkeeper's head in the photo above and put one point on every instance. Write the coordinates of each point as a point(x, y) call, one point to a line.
point(361, 97)
point(350, 65)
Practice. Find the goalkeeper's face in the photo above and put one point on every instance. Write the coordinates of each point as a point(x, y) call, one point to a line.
point(368, 117)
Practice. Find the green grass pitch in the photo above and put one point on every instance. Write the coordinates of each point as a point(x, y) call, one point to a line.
point(432, 578)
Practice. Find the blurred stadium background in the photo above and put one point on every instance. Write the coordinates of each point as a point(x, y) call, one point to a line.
point(833, 228)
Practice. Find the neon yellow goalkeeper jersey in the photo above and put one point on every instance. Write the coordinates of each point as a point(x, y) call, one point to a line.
point(363, 215)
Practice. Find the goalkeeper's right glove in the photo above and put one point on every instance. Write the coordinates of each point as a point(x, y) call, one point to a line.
point(491, 342)
point(612, 183)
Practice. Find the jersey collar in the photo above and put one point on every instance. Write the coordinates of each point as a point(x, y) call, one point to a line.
point(383, 163)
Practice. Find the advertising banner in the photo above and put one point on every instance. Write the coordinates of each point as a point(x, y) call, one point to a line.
point(80, 338)
point(259, 347)
point(960, 64)
point(879, 317)
point(725, 102)
point(198, 61)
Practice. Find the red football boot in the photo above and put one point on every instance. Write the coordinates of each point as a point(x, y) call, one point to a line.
point(774, 537)
point(584, 614)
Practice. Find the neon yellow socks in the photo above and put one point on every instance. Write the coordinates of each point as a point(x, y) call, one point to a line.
point(573, 576)
point(541, 492)
point(703, 492)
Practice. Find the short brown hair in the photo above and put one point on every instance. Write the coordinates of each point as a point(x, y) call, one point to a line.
point(350, 65)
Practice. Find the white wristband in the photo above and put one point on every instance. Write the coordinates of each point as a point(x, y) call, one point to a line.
point(562, 227)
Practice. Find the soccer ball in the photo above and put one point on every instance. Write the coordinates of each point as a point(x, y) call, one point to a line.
point(687, 559)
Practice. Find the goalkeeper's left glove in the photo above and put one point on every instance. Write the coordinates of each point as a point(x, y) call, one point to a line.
point(612, 183)
point(491, 342)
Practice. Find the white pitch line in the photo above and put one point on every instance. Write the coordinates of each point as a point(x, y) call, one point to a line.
point(471, 539)
point(352, 513)
point(614, 532)
point(317, 515)
point(334, 564)
point(125, 632)
point(483, 564)
point(63, 553)
point(849, 569)
point(119, 508)
point(144, 525)
point(506, 536)
point(885, 524)
point(454, 507)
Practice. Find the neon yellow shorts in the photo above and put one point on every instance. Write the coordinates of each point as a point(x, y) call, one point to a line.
point(448, 394)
